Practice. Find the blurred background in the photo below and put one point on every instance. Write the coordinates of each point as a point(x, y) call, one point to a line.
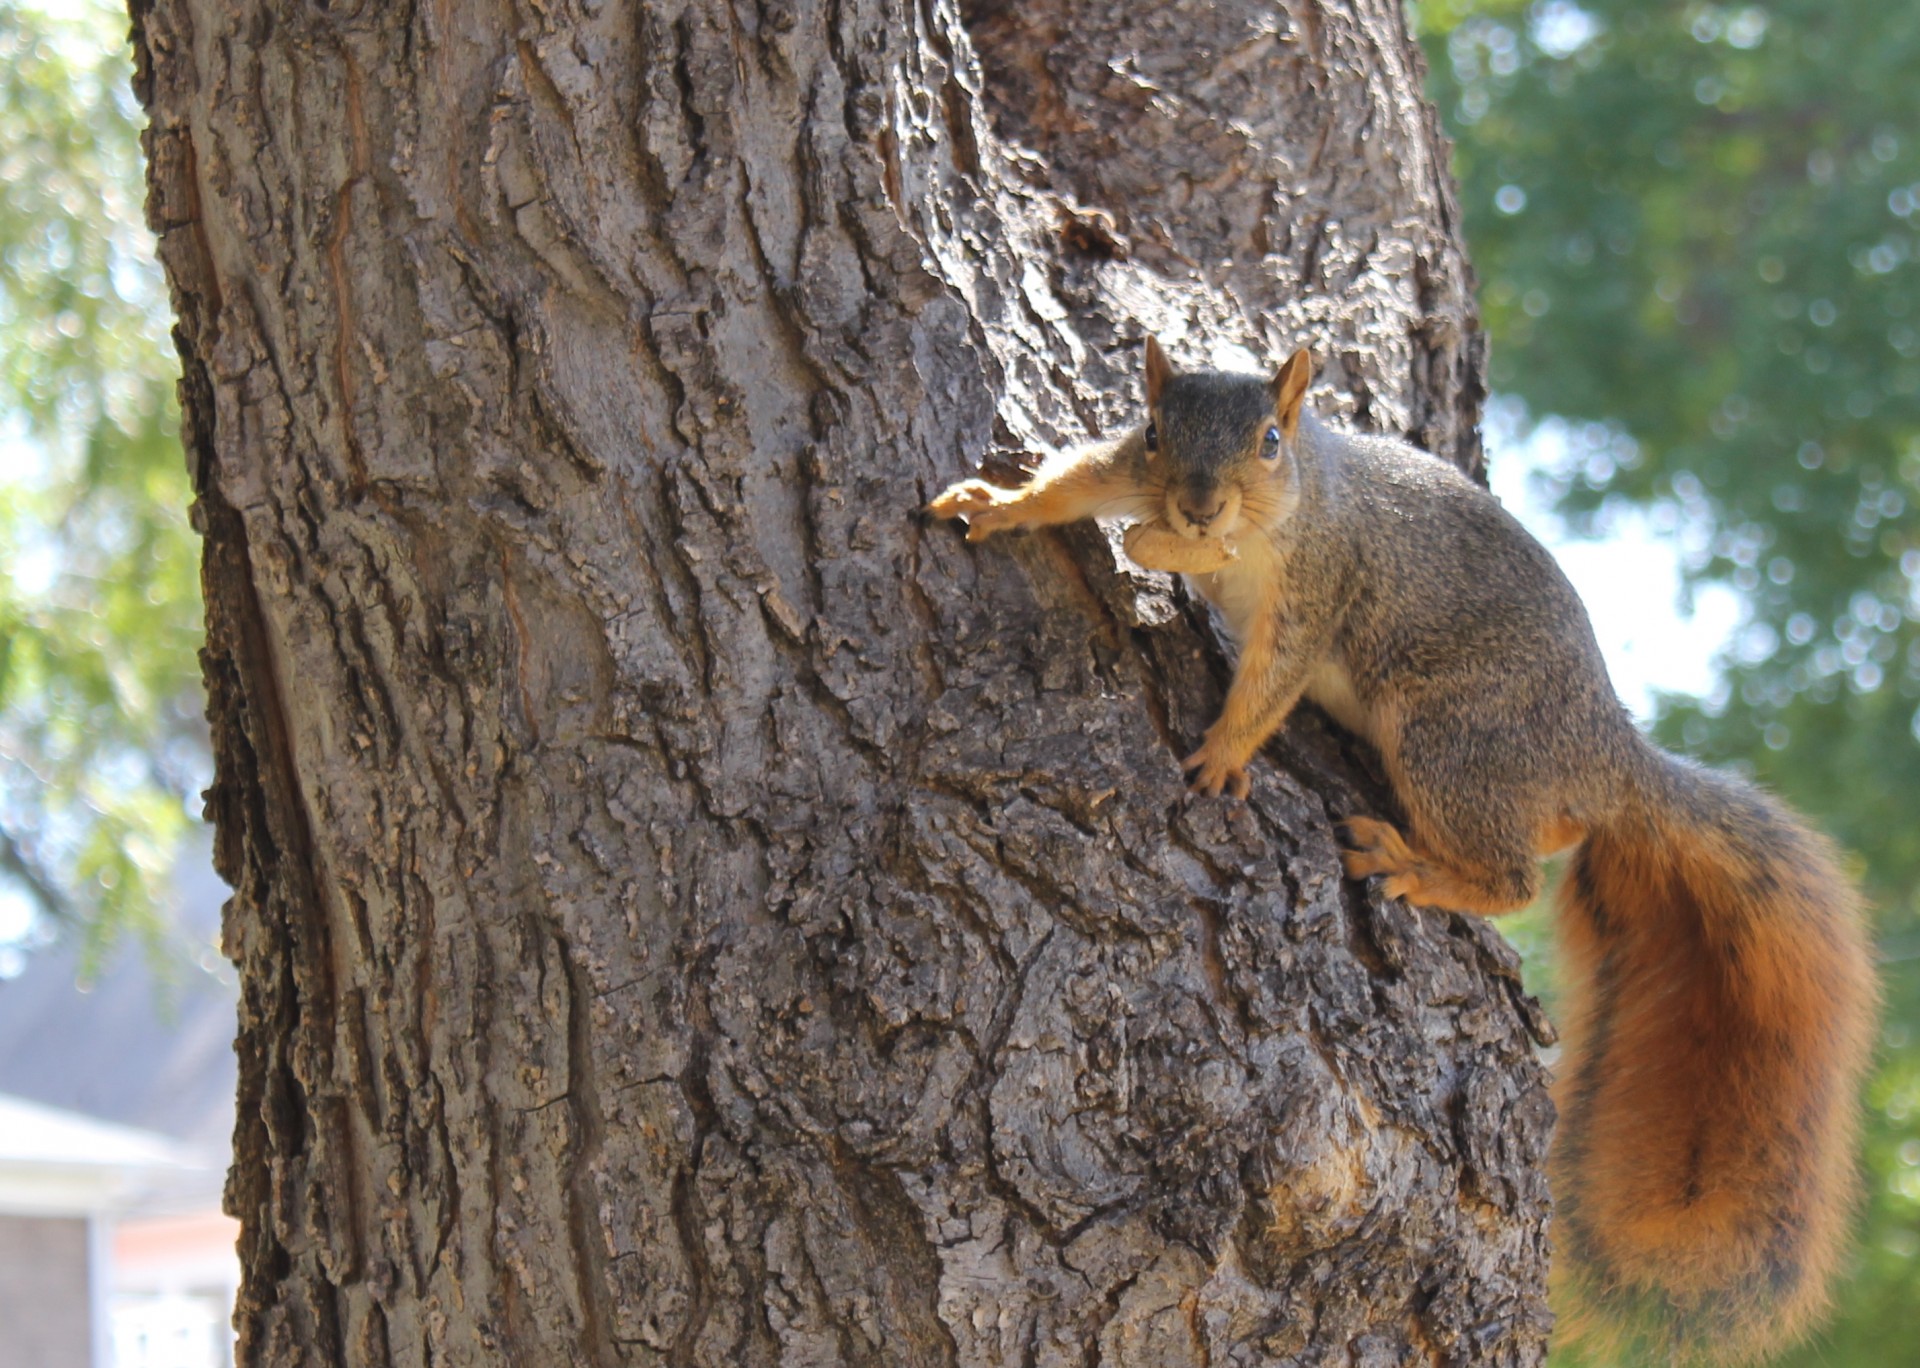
point(116, 1009)
point(1694, 227)
point(1695, 231)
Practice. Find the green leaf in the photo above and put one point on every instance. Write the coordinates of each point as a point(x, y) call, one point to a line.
point(101, 742)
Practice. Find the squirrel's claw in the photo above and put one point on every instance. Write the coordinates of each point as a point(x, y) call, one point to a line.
point(963, 496)
point(986, 507)
point(1370, 847)
point(1209, 775)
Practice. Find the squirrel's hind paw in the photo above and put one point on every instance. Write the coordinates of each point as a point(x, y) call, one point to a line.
point(1372, 847)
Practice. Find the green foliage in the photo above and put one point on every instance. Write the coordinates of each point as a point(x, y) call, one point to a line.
point(1696, 227)
point(100, 738)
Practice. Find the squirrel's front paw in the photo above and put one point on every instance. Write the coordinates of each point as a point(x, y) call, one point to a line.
point(1211, 770)
point(987, 508)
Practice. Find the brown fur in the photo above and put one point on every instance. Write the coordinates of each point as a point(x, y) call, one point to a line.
point(1722, 1016)
point(1724, 998)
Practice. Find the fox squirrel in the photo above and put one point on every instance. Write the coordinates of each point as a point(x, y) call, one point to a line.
point(1723, 1005)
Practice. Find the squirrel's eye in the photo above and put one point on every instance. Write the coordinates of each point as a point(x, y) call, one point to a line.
point(1271, 446)
point(1153, 438)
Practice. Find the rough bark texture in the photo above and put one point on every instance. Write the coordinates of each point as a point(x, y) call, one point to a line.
point(691, 912)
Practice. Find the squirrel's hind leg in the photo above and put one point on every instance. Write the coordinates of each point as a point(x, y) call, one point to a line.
point(1470, 841)
point(1427, 879)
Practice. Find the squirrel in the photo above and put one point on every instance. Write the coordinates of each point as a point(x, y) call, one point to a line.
point(1723, 999)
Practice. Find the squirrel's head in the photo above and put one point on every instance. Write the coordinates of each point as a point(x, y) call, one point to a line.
point(1220, 450)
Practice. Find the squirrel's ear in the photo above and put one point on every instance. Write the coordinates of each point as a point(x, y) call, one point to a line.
point(1290, 388)
point(1158, 371)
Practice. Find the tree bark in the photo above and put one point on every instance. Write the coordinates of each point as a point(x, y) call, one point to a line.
point(690, 911)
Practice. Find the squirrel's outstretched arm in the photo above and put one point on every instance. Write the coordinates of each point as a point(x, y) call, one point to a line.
point(1087, 482)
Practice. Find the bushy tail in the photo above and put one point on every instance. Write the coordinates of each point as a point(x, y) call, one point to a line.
point(1723, 1013)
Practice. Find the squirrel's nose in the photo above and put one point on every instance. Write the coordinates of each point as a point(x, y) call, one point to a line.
point(1201, 508)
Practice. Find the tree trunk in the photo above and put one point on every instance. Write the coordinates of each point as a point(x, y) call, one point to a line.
point(690, 911)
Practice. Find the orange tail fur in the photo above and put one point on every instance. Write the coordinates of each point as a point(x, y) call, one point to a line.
point(1723, 1015)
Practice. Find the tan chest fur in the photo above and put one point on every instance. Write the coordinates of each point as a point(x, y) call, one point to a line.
point(1243, 590)
point(1331, 687)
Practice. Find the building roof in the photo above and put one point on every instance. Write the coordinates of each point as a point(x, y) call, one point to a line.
point(33, 1134)
point(54, 1161)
